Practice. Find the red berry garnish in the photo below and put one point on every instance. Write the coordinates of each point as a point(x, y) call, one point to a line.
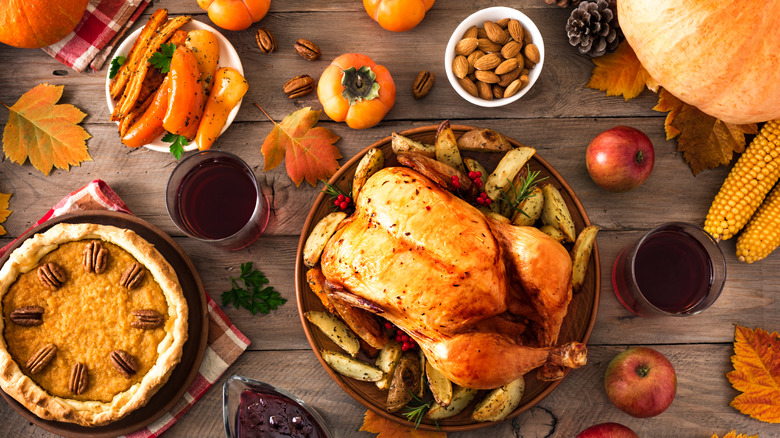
point(398, 338)
point(478, 183)
point(348, 199)
point(343, 205)
point(478, 173)
point(336, 202)
point(405, 338)
point(405, 346)
point(488, 201)
point(388, 325)
point(480, 200)
point(340, 198)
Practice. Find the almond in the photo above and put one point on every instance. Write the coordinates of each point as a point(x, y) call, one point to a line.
point(507, 78)
point(506, 66)
point(527, 63)
point(471, 32)
point(531, 52)
point(516, 30)
point(488, 62)
point(460, 66)
point(484, 91)
point(498, 91)
point(495, 33)
point(469, 86)
point(473, 59)
point(487, 77)
point(481, 33)
point(466, 46)
point(488, 46)
point(512, 89)
point(503, 23)
point(527, 38)
point(511, 49)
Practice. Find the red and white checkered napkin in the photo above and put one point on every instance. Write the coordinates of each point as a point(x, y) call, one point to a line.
point(102, 27)
point(225, 342)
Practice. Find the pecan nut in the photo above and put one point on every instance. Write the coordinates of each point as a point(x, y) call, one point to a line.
point(147, 319)
point(307, 49)
point(298, 86)
point(423, 83)
point(79, 377)
point(124, 362)
point(51, 275)
point(132, 276)
point(41, 358)
point(95, 257)
point(27, 316)
point(265, 40)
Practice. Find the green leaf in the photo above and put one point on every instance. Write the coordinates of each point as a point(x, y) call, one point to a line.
point(162, 60)
point(254, 296)
point(115, 64)
point(177, 143)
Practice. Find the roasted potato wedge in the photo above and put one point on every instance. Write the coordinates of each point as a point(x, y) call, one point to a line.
point(500, 402)
point(506, 170)
point(553, 232)
point(473, 165)
point(446, 147)
point(361, 321)
point(529, 210)
point(483, 140)
point(319, 236)
point(423, 362)
point(497, 216)
point(386, 361)
point(580, 255)
point(351, 367)
point(461, 397)
point(335, 330)
point(371, 162)
point(440, 386)
point(436, 171)
point(401, 144)
point(556, 213)
point(316, 280)
point(405, 382)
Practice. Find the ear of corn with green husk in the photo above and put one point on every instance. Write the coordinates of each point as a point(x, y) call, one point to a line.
point(746, 186)
point(762, 233)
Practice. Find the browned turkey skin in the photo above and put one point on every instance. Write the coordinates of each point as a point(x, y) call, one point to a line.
point(483, 299)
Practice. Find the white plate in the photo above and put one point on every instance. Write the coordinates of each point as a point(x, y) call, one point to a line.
point(227, 58)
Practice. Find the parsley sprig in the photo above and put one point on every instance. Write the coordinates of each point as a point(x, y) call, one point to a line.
point(516, 195)
point(162, 59)
point(177, 143)
point(115, 64)
point(254, 295)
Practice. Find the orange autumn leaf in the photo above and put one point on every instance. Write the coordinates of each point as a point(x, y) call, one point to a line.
point(308, 151)
point(388, 429)
point(45, 133)
point(4, 211)
point(756, 374)
point(733, 434)
point(705, 141)
point(621, 73)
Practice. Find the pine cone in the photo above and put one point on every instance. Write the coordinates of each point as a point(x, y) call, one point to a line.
point(593, 28)
point(563, 3)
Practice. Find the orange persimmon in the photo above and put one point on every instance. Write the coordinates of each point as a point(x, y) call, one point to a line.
point(186, 97)
point(353, 88)
point(150, 125)
point(397, 15)
point(235, 14)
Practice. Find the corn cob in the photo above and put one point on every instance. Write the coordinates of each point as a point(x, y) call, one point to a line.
point(746, 186)
point(762, 233)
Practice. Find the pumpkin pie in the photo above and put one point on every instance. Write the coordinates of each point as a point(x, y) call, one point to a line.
point(93, 323)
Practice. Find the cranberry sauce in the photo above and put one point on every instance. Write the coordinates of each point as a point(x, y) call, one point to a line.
point(261, 414)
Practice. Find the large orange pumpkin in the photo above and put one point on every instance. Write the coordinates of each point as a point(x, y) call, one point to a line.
point(32, 24)
point(721, 57)
point(235, 14)
point(397, 15)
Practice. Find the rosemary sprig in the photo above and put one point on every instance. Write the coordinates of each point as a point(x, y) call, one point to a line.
point(335, 191)
point(416, 413)
point(517, 195)
point(341, 200)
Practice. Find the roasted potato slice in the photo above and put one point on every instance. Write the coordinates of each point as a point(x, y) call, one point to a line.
point(315, 243)
point(401, 144)
point(386, 361)
point(529, 210)
point(500, 402)
point(436, 171)
point(497, 216)
point(506, 170)
point(405, 382)
point(461, 397)
point(335, 330)
point(351, 367)
point(483, 140)
point(556, 213)
point(440, 386)
point(553, 232)
point(580, 255)
point(446, 147)
point(371, 162)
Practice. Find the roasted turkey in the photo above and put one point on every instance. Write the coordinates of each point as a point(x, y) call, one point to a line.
point(483, 299)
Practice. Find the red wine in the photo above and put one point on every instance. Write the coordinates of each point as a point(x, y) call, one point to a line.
point(217, 199)
point(673, 270)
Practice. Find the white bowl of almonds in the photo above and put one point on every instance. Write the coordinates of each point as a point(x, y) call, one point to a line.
point(494, 56)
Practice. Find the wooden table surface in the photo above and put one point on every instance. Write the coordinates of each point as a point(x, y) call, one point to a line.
point(559, 116)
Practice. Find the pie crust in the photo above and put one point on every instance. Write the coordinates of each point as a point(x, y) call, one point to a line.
point(14, 377)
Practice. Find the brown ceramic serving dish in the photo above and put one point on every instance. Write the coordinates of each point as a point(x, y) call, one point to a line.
point(192, 354)
point(577, 325)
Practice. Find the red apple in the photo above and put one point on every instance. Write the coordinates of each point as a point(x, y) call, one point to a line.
point(620, 159)
point(608, 430)
point(641, 382)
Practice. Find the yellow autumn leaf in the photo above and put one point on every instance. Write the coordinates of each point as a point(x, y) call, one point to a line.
point(4, 211)
point(621, 73)
point(733, 434)
point(385, 428)
point(756, 374)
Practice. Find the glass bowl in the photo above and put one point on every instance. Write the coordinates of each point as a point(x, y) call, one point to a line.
point(231, 401)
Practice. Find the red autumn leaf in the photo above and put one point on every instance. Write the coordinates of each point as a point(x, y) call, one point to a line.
point(308, 151)
point(45, 133)
point(389, 429)
point(4, 211)
point(756, 374)
point(621, 73)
